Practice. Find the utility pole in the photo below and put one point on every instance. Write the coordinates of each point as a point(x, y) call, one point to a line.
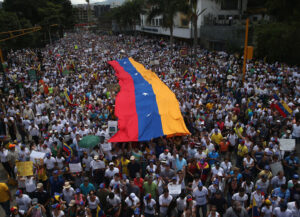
point(245, 49)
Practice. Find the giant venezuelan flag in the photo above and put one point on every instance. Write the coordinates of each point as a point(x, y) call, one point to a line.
point(146, 108)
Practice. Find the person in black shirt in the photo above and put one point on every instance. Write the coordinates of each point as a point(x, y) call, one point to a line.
point(42, 196)
point(133, 167)
point(219, 201)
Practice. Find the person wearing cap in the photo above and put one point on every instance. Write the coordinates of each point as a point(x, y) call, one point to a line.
point(23, 201)
point(242, 151)
point(132, 202)
point(98, 168)
point(102, 194)
point(219, 201)
point(72, 209)
point(86, 187)
point(56, 182)
point(258, 197)
point(212, 189)
point(267, 209)
point(4, 161)
point(201, 196)
point(12, 156)
point(165, 156)
point(149, 205)
point(283, 192)
point(42, 196)
point(291, 163)
point(5, 197)
point(68, 192)
point(133, 167)
point(15, 212)
point(111, 171)
point(36, 209)
point(56, 211)
point(264, 184)
point(164, 201)
point(266, 171)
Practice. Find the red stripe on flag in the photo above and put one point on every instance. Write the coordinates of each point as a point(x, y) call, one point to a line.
point(125, 106)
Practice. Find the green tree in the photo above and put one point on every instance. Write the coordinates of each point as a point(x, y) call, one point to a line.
point(168, 9)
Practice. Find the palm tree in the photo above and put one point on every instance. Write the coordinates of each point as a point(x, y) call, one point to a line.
point(168, 10)
point(194, 14)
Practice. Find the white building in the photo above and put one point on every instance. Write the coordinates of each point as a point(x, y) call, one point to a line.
point(218, 15)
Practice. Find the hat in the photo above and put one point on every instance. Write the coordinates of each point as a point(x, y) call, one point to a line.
point(48, 154)
point(295, 176)
point(268, 202)
point(14, 208)
point(67, 185)
point(111, 164)
point(137, 211)
point(174, 178)
point(216, 182)
point(96, 157)
point(86, 178)
point(200, 184)
point(18, 192)
point(77, 190)
point(258, 187)
point(102, 185)
point(148, 196)
point(72, 203)
point(34, 201)
point(267, 167)
point(132, 158)
point(167, 150)
point(132, 195)
point(55, 172)
point(39, 185)
point(189, 197)
point(54, 206)
point(11, 146)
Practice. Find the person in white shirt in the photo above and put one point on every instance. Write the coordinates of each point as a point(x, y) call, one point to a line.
point(86, 162)
point(181, 203)
point(132, 202)
point(60, 161)
point(295, 208)
point(257, 196)
point(30, 185)
point(23, 201)
point(164, 201)
point(111, 171)
point(68, 192)
point(267, 210)
point(278, 180)
point(149, 205)
point(165, 156)
point(201, 196)
point(241, 196)
point(50, 163)
point(93, 202)
point(114, 204)
point(282, 211)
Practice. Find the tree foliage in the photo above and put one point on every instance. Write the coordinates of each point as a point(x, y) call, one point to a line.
point(280, 40)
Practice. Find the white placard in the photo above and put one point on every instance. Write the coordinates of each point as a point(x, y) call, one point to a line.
point(156, 62)
point(276, 167)
point(112, 127)
point(106, 146)
point(36, 155)
point(287, 144)
point(174, 189)
point(74, 168)
point(90, 49)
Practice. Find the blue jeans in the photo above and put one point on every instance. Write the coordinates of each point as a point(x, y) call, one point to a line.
point(6, 206)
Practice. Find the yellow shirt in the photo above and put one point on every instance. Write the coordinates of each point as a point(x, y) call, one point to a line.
point(4, 195)
point(238, 131)
point(242, 150)
point(217, 138)
point(124, 163)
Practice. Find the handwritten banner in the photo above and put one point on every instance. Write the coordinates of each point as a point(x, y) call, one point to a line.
point(25, 168)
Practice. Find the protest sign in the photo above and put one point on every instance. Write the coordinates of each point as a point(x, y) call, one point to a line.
point(106, 146)
point(174, 189)
point(287, 144)
point(36, 155)
point(75, 168)
point(25, 168)
point(112, 127)
point(32, 75)
point(156, 62)
point(276, 167)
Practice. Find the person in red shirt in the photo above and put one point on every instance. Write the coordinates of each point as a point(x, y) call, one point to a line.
point(138, 181)
point(224, 145)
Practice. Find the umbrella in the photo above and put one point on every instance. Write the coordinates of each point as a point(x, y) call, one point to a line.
point(89, 141)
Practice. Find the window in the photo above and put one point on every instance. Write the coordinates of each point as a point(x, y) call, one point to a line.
point(157, 22)
point(229, 5)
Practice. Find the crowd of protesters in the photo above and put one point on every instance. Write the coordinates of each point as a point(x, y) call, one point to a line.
point(224, 168)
